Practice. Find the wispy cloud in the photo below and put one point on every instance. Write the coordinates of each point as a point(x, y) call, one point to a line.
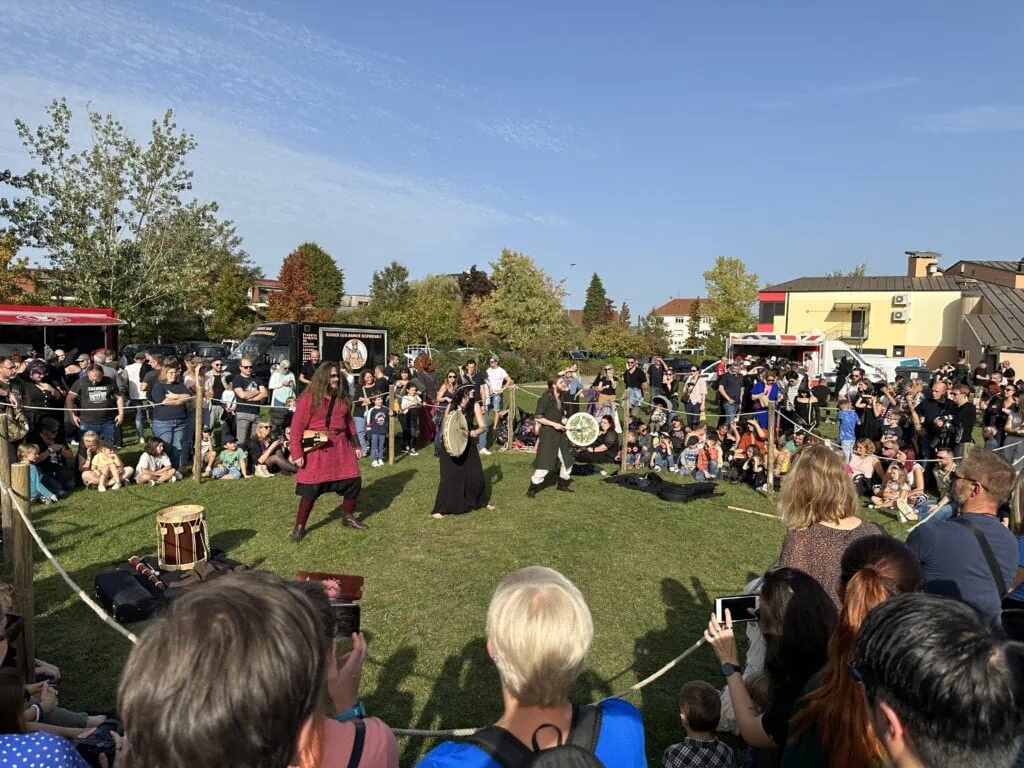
point(838, 92)
point(979, 119)
point(300, 135)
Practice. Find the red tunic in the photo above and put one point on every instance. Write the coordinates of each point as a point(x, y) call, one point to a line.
point(337, 459)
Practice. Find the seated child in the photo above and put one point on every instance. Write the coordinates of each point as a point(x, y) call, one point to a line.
point(699, 710)
point(688, 458)
point(713, 455)
point(231, 462)
point(29, 453)
point(155, 465)
point(753, 472)
point(109, 468)
point(895, 489)
point(662, 457)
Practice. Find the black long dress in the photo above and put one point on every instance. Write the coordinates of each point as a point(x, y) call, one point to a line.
point(463, 487)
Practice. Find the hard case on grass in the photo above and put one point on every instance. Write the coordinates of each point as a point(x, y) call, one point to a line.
point(124, 597)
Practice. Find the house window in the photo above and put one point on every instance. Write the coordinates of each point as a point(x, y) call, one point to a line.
point(770, 310)
point(899, 350)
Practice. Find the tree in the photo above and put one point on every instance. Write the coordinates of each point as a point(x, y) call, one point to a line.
point(326, 280)
point(609, 315)
point(624, 315)
point(526, 305)
point(294, 302)
point(695, 338)
point(858, 271)
point(474, 283)
point(616, 340)
point(389, 291)
point(15, 278)
point(432, 311)
point(651, 328)
point(470, 323)
point(732, 291)
point(232, 318)
point(112, 221)
point(594, 307)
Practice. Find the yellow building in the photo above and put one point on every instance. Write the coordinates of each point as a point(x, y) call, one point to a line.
point(928, 313)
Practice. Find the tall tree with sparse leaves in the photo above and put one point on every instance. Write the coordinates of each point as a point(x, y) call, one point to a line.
point(624, 317)
point(294, 302)
point(732, 291)
point(695, 337)
point(595, 304)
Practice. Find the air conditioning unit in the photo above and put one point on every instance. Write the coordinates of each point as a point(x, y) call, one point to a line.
point(900, 316)
point(900, 300)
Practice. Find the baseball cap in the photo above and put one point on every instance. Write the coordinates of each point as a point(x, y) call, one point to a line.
point(229, 439)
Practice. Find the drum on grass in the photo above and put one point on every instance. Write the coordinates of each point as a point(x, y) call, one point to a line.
point(582, 429)
point(455, 434)
point(182, 539)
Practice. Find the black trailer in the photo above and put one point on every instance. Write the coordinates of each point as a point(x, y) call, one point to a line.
point(361, 346)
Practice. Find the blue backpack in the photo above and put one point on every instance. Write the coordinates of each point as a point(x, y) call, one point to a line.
point(577, 751)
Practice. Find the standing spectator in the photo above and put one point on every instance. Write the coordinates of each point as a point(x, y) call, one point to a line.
point(847, 418)
point(932, 414)
point(832, 726)
point(763, 392)
point(100, 405)
point(472, 378)
point(10, 384)
point(170, 414)
point(981, 379)
point(656, 373)
point(695, 389)
point(362, 401)
point(539, 631)
point(39, 396)
point(730, 389)
point(215, 384)
point(819, 507)
point(943, 686)
point(955, 554)
point(309, 368)
point(722, 367)
point(634, 378)
point(282, 385)
point(964, 419)
point(136, 397)
point(604, 385)
point(393, 367)
point(250, 393)
point(497, 381)
point(152, 376)
point(843, 370)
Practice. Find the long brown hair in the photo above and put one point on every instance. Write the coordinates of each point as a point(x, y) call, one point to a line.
point(320, 383)
point(12, 702)
point(873, 570)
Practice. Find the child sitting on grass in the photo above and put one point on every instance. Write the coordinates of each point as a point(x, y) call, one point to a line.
point(754, 472)
point(29, 453)
point(155, 465)
point(231, 462)
point(688, 458)
point(662, 457)
point(109, 468)
point(895, 490)
point(713, 453)
point(699, 710)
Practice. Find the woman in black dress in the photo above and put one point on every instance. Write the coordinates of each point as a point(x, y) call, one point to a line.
point(463, 487)
point(605, 448)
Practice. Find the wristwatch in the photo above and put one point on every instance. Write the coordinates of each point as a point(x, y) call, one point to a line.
point(729, 669)
point(357, 711)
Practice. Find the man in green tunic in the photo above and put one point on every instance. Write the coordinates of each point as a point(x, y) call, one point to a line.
point(553, 449)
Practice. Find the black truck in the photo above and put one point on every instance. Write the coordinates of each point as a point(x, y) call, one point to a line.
point(361, 346)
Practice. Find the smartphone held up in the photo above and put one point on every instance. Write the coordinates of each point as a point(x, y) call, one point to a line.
point(741, 608)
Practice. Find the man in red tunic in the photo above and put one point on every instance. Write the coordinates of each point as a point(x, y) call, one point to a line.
point(324, 407)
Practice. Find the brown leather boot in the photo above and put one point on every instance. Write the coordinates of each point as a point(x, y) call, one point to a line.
point(563, 485)
point(298, 532)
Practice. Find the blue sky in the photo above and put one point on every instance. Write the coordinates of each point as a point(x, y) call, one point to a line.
point(638, 140)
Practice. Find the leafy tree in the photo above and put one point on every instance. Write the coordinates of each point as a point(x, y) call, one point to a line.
point(615, 340)
point(732, 291)
point(15, 277)
point(470, 323)
point(652, 330)
point(294, 302)
point(596, 303)
point(696, 336)
point(112, 220)
point(624, 317)
point(475, 283)
point(232, 318)
point(432, 311)
point(526, 305)
point(609, 315)
point(326, 280)
point(858, 271)
point(389, 291)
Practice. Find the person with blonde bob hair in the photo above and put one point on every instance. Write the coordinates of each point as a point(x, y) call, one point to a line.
point(539, 631)
point(819, 507)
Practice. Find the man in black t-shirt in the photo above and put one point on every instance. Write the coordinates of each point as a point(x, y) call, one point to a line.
point(215, 383)
point(100, 404)
point(392, 368)
point(730, 391)
point(634, 379)
point(308, 369)
point(966, 416)
point(250, 393)
point(933, 413)
point(981, 379)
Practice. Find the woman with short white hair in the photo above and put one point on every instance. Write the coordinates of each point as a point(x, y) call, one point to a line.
point(539, 632)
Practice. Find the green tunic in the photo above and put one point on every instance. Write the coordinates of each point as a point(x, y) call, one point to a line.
point(550, 441)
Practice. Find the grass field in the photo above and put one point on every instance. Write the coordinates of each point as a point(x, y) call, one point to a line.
point(649, 570)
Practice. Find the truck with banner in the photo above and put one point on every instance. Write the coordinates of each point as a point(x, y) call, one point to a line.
point(360, 346)
point(818, 354)
point(43, 328)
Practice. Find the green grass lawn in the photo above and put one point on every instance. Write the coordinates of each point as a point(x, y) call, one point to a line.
point(649, 570)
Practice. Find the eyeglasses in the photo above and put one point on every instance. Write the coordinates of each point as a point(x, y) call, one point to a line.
point(245, 367)
point(335, 376)
point(451, 377)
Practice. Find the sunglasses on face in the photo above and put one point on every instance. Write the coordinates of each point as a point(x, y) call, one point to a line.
point(245, 367)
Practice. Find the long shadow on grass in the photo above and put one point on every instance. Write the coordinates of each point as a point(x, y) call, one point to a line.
point(379, 494)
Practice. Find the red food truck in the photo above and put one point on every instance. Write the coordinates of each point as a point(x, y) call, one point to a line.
point(73, 329)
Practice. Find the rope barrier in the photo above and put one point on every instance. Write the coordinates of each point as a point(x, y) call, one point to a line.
point(17, 502)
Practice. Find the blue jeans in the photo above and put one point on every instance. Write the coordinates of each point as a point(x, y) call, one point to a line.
point(712, 469)
point(495, 402)
point(945, 512)
point(847, 449)
point(105, 429)
point(172, 432)
point(377, 446)
point(140, 416)
point(692, 413)
point(482, 440)
point(665, 461)
point(636, 396)
point(361, 432)
point(731, 409)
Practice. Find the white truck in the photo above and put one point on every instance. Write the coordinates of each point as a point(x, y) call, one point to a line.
point(819, 355)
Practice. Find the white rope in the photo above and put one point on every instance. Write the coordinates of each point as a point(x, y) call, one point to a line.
point(17, 502)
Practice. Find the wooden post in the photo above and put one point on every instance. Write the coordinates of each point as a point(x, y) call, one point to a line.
point(511, 421)
point(391, 424)
point(770, 454)
point(5, 500)
point(197, 442)
point(23, 549)
point(623, 447)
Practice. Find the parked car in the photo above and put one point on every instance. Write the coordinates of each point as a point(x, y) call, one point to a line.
point(204, 350)
point(129, 351)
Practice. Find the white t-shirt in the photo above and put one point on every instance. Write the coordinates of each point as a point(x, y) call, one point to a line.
point(495, 379)
point(132, 371)
point(150, 463)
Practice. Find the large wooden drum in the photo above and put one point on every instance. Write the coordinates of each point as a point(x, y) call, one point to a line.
point(182, 539)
